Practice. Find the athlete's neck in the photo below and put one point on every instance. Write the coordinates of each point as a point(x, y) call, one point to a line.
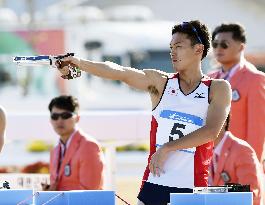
point(190, 77)
point(188, 81)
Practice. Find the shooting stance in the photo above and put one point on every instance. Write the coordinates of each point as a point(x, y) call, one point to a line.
point(188, 111)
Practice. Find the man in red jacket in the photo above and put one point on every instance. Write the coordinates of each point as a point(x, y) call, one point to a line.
point(76, 163)
point(247, 83)
point(235, 161)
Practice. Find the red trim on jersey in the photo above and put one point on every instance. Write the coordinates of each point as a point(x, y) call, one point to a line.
point(204, 153)
point(202, 159)
point(153, 131)
point(207, 80)
point(174, 76)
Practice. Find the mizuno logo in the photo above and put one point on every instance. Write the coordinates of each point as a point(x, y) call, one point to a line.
point(199, 95)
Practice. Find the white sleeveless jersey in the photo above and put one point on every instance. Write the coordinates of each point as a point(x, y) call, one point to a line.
point(175, 116)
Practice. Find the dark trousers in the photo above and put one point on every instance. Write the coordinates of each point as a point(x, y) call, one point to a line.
point(154, 194)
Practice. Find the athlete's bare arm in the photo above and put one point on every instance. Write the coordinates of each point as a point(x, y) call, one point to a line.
point(149, 80)
point(219, 107)
point(2, 127)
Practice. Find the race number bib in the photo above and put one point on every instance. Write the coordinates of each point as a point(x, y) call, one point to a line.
point(179, 166)
point(174, 125)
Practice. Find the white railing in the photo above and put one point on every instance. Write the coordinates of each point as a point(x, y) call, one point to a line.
point(25, 181)
point(111, 128)
point(103, 125)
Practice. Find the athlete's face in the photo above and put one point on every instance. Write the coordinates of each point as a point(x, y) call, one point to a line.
point(61, 125)
point(226, 50)
point(183, 54)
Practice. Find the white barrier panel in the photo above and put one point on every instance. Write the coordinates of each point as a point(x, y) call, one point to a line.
point(80, 197)
point(16, 197)
point(103, 125)
point(230, 198)
point(75, 198)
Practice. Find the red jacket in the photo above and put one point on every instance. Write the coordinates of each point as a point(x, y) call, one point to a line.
point(238, 163)
point(248, 106)
point(85, 160)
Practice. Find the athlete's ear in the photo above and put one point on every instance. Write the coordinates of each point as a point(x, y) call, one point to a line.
point(199, 48)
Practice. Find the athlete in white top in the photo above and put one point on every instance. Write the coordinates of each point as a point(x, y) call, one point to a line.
point(188, 112)
point(177, 115)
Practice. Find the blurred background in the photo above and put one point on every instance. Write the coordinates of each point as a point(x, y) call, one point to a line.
point(132, 33)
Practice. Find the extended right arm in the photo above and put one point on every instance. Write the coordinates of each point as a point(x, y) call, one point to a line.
point(139, 79)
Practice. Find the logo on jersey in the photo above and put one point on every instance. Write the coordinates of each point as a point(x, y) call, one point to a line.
point(199, 95)
point(183, 117)
point(173, 91)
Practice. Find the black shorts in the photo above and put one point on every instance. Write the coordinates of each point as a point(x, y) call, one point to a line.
point(154, 194)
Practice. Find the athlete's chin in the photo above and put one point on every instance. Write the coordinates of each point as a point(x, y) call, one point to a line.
point(177, 68)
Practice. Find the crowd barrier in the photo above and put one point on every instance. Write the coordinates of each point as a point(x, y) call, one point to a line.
point(230, 198)
point(92, 197)
point(74, 198)
point(16, 197)
point(29, 197)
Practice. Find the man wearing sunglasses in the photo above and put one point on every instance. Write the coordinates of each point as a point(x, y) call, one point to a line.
point(188, 111)
point(2, 127)
point(76, 163)
point(248, 85)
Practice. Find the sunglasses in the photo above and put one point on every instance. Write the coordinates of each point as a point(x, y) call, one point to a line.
point(63, 115)
point(222, 45)
point(189, 25)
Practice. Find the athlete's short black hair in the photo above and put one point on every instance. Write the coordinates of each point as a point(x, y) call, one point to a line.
point(197, 32)
point(65, 102)
point(237, 30)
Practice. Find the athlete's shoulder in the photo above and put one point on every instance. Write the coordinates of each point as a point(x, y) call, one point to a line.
point(156, 72)
point(220, 88)
point(220, 83)
point(159, 77)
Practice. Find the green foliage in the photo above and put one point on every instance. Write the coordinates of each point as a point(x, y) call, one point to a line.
point(133, 147)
